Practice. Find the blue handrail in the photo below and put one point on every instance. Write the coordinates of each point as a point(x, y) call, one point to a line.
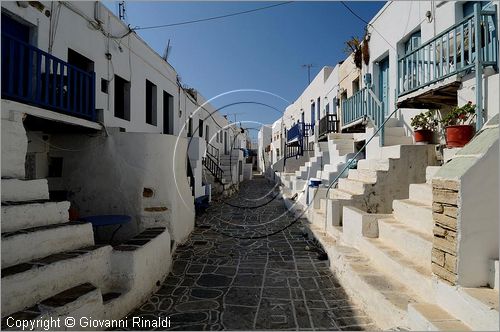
point(37, 78)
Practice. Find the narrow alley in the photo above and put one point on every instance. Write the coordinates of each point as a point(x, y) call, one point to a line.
point(231, 275)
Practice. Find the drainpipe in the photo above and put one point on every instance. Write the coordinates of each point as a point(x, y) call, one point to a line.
point(479, 68)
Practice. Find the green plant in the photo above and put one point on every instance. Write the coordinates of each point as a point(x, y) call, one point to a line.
point(460, 115)
point(353, 46)
point(425, 121)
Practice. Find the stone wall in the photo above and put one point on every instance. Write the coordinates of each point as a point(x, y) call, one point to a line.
point(445, 210)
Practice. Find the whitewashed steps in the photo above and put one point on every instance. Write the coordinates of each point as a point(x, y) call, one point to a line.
point(14, 190)
point(341, 194)
point(20, 216)
point(393, 262)
point(421, 192)
point(32, 243)
point(26, 284)
point(384, 299)
point(415, 245)
point(84, 299)
point(354, 186)
point(476, 307)
point(366, 175)
point(397, 140)
point(414, 214)
point(431, 317)
point(374, 164)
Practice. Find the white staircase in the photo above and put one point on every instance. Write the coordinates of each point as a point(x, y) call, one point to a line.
point(384, 261)
point(51, 266)
point(376, 182)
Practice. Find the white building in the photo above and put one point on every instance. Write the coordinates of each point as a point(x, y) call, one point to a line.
point(264, 148)
point(412, 229)
point(94, 118)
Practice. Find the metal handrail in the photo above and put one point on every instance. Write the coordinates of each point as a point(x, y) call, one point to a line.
point(348, 164)
point(213, 151)
point(213, 167)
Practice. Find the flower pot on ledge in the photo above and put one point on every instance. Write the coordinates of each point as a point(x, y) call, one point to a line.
point(423, 136)
point(459, 135)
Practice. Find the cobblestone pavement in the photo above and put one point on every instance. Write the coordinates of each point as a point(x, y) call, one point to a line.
point(222, 282)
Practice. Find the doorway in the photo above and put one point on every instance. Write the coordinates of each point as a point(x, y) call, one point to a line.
point(383, 86)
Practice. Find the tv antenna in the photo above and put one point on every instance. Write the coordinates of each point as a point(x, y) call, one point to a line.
point(308, 66)
point(166, 51)
point(121, 10)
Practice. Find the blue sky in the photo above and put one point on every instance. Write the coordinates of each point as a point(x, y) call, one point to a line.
point(263, 50)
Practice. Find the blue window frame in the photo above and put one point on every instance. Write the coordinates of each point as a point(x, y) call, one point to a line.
point(413, 42)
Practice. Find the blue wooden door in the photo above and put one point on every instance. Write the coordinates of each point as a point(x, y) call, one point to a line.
point(383, 85)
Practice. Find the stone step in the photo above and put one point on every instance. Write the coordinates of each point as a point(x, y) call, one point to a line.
point(414, 245)
point(476, 307)
point(421, 192)
point(414, 214)
point(332, 136)
point(382, 297)
point(393, 262)
point(395, 131)
point(430, 171)
point(366, 175)
point(20, 216)
point(32, 243)
point(374, 164)
point(342, 144)
point(431, 317)
point(84, 300)
point(397, 140)
point(393, 151)
point(354, 186)
point(14, 190)
point(26, 284)
point(337, 193)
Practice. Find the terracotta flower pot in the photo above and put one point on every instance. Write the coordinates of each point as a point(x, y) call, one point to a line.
point(458, 136)
point(423, 136)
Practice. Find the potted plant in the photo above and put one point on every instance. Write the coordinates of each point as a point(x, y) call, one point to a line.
point(457, 123)
point(424, 125)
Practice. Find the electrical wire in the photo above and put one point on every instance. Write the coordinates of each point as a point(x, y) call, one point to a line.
point(211, 18)
point(367, 23)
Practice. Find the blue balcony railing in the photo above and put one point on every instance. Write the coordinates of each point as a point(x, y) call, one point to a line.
point(364, 104)
point(353, 108)
point(295, 132)
point(451, 52)
point(37, 78)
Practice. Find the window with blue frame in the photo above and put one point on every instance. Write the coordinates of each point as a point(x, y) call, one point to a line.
point(413, 42)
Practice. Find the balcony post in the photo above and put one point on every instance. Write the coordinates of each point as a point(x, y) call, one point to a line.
point(478, 67)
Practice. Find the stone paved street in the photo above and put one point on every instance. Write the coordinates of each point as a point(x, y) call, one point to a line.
point(223, 280)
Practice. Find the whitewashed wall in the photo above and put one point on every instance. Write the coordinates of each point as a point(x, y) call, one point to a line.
point(128, 163)
point(409, 17)
point(131, 59)
point(264, 139)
